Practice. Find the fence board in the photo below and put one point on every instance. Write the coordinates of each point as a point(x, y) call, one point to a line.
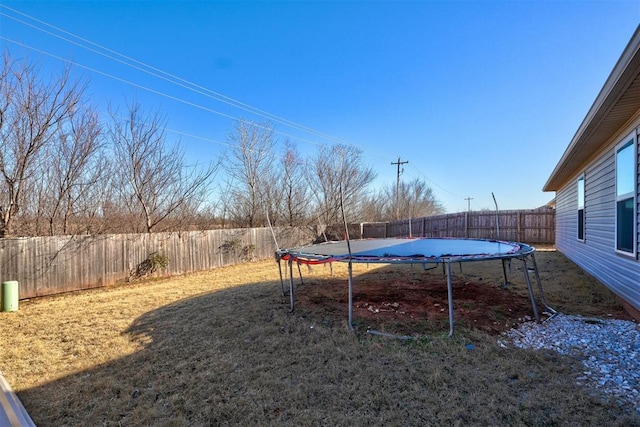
point(529, 226)
point(51, 265)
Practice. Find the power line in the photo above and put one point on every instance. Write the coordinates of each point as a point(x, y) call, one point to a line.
point(432, 181)
point(196, 137)
point(158, 73)
point(157, 92)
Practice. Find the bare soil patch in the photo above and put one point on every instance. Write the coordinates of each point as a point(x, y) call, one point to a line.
point(409, 300)
point(421, 305)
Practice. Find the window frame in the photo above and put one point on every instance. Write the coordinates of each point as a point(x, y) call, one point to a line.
point(581, 191)
point(628, 141)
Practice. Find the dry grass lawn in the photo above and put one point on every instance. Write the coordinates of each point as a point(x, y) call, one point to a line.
point(221, 348)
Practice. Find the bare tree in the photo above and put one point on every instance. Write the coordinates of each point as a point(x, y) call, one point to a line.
point(415, 200)
point(224, 205)
point(372, 207)
point(295, 192)
point(335, 169)
point(74, 168)
point(152, 176)
point(249, 168)
point(31, 112)
point(98, 188)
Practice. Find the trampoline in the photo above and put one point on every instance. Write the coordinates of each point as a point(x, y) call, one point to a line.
point(422, 251)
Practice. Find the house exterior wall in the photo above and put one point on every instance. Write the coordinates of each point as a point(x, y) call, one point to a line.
point(597, 254)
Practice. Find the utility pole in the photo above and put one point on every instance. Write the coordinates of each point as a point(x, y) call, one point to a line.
point(469, 199)
point(398, 163)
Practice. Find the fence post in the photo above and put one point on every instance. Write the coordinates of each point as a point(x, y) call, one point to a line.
point(466, 225)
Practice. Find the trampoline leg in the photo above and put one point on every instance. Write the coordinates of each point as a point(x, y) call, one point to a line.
point(300, 274)
point(544, 301)
point(350, 297)
point(504, 271)
point(530, 288)
point(281, 280)
point(291, 291)
point(450, 295)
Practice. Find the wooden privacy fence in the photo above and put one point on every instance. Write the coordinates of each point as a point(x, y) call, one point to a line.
point(51, 265)
point(529, 226)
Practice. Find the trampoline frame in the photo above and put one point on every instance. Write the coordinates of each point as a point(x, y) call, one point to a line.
point(308, 255)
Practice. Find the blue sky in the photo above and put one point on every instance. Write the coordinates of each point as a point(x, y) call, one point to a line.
point(478, 96)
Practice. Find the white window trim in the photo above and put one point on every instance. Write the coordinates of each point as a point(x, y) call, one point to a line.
point(584, 222)
point(632, 137)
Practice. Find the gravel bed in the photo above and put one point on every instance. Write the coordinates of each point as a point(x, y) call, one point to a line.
point(609, 350)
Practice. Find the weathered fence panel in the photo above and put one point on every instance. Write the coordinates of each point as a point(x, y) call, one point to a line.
point(530, 226)
point(51, 265)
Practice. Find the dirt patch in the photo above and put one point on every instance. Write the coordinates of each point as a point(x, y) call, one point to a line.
point(405, 307)
point(409, 300)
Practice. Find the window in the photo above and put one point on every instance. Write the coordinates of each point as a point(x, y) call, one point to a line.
point(581, 208)
point(626, 196)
